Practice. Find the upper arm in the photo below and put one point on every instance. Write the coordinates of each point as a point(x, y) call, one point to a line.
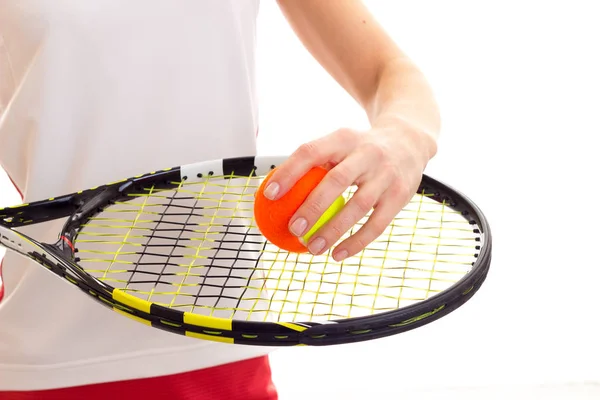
point(345, 39)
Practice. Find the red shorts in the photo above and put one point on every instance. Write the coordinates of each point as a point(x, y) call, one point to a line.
point(244, 380)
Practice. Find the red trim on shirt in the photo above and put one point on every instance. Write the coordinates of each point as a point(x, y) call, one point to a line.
point(243, 380)
point(16, 187)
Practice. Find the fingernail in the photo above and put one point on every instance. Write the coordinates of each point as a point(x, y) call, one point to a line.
point(316, 245)
point(298, 227)
point(271, 190)
point(340, 255)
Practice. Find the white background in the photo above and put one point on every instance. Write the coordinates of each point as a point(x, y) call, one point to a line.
point(519, 87)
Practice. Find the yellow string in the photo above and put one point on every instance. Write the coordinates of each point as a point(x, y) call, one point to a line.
point(425, 249)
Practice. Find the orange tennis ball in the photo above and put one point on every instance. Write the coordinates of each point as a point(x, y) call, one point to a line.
point(273, 217)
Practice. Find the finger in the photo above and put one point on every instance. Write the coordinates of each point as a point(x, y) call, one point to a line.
point(361, 203)
point(328, 150)
point(390, 204)
point(334, 184)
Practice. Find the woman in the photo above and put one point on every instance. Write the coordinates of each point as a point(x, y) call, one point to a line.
point(92, 91)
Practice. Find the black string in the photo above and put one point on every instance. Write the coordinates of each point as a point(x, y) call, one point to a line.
point(232, 239)
point(144, 253)
point(230, 269)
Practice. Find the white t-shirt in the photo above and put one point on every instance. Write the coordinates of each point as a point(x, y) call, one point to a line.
point(93, 91)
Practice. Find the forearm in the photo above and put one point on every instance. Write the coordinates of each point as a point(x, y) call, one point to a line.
point(351, 45)
point(404, 96)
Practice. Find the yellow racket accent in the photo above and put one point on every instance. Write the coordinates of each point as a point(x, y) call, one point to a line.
point(19, 205)
point(294, 327)
point(207, 321)
point(132, 301)
point(418, 318)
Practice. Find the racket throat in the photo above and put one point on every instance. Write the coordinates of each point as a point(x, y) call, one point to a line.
point(92, 206)
point(65, 246)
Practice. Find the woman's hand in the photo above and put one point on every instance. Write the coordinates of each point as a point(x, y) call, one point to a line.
point(385, 162)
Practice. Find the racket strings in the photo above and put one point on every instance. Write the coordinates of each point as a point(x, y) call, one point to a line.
point(196, 248)
point(236, 252)
point(171, 247)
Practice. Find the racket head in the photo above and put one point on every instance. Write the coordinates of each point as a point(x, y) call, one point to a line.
point(178, 249)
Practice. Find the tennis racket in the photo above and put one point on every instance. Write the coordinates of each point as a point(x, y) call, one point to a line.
point(178, 250)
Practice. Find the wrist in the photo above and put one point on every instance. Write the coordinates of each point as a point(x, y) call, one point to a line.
point(396, 127)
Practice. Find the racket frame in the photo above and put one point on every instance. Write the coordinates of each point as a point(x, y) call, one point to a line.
point(80, 206)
